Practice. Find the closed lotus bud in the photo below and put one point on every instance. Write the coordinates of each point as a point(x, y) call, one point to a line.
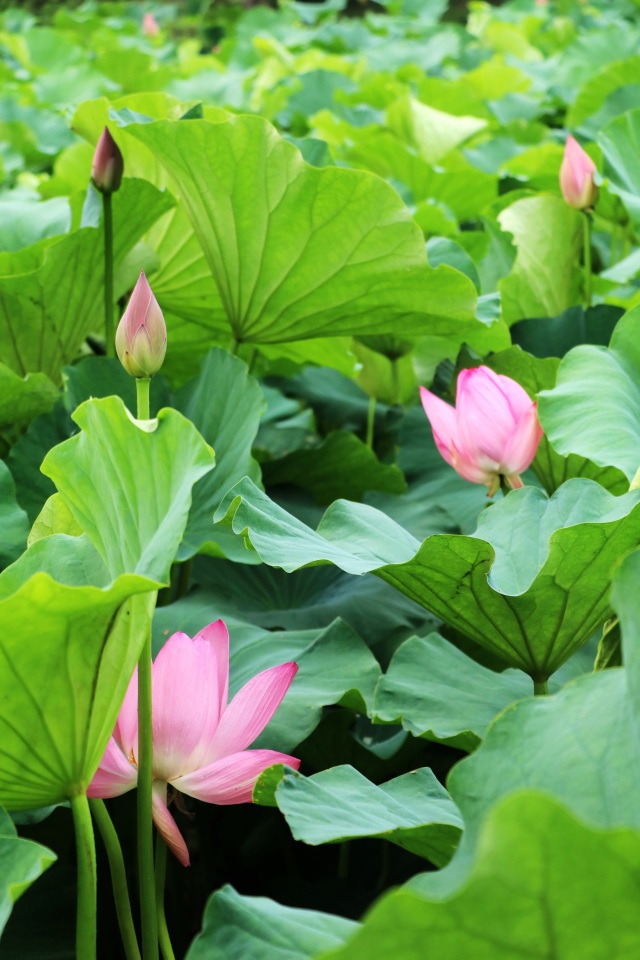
point(108, 166)
point(150, 26)
point(141, 337)
point(492, 432)
point(576, 176)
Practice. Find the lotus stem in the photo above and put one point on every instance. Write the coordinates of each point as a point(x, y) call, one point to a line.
point(145, 807)
point(371, 419)
point(145, 767)
point(107, 220)
point(161, 870)
point(118, 878)
point(587, 259)
point(86, 917)
point(142, 394)
point(540, 688)
point(395, 382)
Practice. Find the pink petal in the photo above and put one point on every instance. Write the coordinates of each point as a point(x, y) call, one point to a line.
point(189, 688)
point(442, 418)
point(218, 636)
point(523, 444)
point(515, 395)
point(231, 779)
point(444, 425)
point(489, 407)
point(250, 711)
point(114, 776)
point(476, 472)
point(166, 825)
point(126, 729)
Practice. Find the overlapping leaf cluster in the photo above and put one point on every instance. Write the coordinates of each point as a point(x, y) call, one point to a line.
point(331, 210)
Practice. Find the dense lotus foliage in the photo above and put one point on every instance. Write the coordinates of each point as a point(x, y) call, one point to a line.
point(407, 724)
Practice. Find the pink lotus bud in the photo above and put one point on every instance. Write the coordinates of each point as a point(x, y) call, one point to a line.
point(492, 432)
point(141, 337)
point(576, 176)
point(108, 166)
point(150, 26)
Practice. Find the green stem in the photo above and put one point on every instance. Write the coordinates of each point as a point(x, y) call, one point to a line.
point(184, 578)
point(108, 274)
point(253, 356)
point(161, 869)
point(118, 878)
point(86, 918)
point(371, 419)
point(612, 245)
point(540, 688)
point(587, 259)
point(142, 393)
point(395, 381)
point(145, 768)
point(145, 807)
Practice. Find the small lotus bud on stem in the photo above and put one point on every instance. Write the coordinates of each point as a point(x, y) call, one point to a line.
point(576, 176)
point(141, 337)
point(108, 165)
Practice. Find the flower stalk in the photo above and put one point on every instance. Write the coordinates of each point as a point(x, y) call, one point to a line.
point(107, 220)
point(145, 765)
point(371, 420)
point(161, 869)
point(587, 259)
point(86, 917)
point(118, 878)
point(145, 805)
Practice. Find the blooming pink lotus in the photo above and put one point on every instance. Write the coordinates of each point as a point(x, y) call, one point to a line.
point(199, 742)
point(141, 337)
point(576, 176)
point(492, 432)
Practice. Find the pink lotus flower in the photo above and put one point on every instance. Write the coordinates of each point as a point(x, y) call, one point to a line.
point(108, 164)
point(199, 742)
point(576, 176)
point(492, 432)
point(150, 26)
point(141, 337)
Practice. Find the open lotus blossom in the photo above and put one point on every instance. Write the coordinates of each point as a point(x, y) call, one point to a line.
point(492, 432)
point(199, 741)
point(576, 176)
point(141, 337)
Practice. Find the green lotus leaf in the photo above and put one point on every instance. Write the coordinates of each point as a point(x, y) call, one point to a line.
point(594, 408)
point(413, 811)
point(531, 585)
point(530, 893)
point(66, 656)
point(316, 252)
point(128, 483)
